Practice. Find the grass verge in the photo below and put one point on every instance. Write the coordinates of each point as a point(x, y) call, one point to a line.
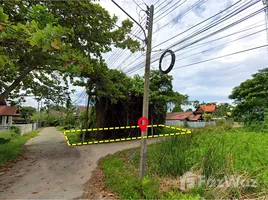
point(11, 145)
point(214, 153)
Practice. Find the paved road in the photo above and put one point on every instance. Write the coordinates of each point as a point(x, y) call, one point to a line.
point(53, 170)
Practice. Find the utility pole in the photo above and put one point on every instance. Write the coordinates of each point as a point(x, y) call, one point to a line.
point(41, 114)
point(37, 121)
point(143, 151)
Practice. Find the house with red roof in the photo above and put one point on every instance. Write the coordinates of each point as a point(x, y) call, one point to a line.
point(7, 113)
point(205, 109)
point(183, 116)
point(192, 115)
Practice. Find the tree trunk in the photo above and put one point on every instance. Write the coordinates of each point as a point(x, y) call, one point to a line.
point(4, 95)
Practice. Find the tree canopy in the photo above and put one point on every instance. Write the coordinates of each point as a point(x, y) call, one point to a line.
point(26, 112)
point(250, 97)
point(45, 44)
point(117, 100)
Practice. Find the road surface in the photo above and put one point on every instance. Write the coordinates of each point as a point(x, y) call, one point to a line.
point(53, 170)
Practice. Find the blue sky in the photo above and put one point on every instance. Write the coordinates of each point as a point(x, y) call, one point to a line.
point(210, 81)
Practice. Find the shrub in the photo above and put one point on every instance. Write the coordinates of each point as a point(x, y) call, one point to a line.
point(207, 117)
point(70, 119)
point(14, 129)
point(185, 124)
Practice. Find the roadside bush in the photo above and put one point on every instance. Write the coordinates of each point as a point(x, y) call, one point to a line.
point(68, 127)
point(185, 124)
point(225, 124)
point(70, 120)
point(207, 117)
point(15, 130)
point(258, 126)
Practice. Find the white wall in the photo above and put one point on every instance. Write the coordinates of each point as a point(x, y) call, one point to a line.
point(24, 128)
point(191, 124)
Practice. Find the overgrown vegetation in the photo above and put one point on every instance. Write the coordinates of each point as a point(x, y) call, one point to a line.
point(212, 152)
point(11, 144)
point(251, 102)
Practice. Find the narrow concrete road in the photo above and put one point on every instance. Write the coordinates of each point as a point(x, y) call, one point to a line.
point(53, 170)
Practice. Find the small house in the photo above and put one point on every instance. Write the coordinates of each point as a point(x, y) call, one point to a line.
point(7, 113)
point(183, 116)
point(205, 109)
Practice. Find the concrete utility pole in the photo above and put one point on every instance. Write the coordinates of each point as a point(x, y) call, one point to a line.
point(265, 3)
point(143, 151)
point(38, 110)
point(41, 114)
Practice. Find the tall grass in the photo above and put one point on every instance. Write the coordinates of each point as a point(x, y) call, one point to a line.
point(214, 154)
point(12, 146)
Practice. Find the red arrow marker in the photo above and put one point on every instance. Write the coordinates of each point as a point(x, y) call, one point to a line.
point(143, 126)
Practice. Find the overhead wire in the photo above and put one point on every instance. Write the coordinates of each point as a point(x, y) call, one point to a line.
point(215, 47)
point(188, 30)
point(160, 5)
point(155, 13)
point(190, 37)
point(183, 14)
point(137, 4)
point(218, 57)
point(168, 8)
point(119, 52)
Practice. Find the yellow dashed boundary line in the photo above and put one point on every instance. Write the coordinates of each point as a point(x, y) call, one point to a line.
point(183, 131)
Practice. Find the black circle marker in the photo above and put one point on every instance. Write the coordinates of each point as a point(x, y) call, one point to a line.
point(171, 64)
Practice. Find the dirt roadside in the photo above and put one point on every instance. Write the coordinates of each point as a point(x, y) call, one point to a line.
point(52, 170)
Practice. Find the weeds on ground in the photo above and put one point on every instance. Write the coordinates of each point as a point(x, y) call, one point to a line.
point(13, 145)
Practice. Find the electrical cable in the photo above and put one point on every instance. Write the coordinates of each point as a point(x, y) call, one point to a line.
point(137, 4)
point(157, 16)
point(191, 28)
point(215, 47)
point(174, 8)
point(160, 5)
point(257, 12)
point(235, 53)
point(113, 57)
point(184, 13)
point(116, 56)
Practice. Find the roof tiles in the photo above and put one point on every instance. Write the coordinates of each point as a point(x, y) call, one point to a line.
point(8, 111)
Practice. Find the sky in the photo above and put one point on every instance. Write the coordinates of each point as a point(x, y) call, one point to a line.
point(209, 81)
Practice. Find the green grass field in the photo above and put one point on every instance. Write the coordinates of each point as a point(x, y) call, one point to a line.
point(211, 152)
point(11, 145)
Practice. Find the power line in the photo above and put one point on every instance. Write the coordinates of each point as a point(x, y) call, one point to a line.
point(160, 5)
point(196, 4)
point(137, 4)
point(113, 57)
point(221, 44)
point(197, 24)
point(184, 13)
point(206, 28)
point(190, 28)
point(231, 54)
point(172, 6)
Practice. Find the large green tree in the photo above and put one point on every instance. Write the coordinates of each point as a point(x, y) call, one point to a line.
point(250, 97)
point(44, 43)
point(178, 100)
point(117, 101)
